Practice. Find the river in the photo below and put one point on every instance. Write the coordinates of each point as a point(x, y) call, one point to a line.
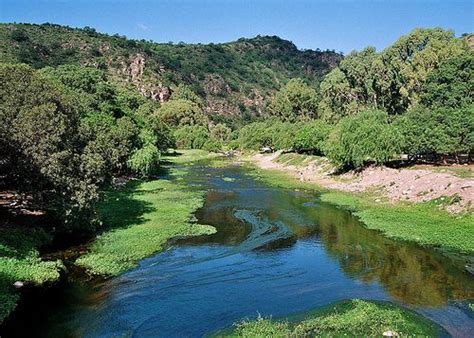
point(277, 252)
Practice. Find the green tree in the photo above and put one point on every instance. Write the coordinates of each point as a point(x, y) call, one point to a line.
point(191, 137)
point(363, 138)
point(40, 148)
point(181, 112)
point(441, 131)
point(312, 137)
point(452, 84)
point(220, 132)
point(295, 101)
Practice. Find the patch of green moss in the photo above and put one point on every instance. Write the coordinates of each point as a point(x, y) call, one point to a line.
point(20, 261)
point(356, 318)
point(141, 219)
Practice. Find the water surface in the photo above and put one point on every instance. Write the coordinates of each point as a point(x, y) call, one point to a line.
point(277, 252)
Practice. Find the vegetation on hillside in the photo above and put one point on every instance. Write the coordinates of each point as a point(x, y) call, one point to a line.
point(234, 80)
point(414, 98)
point(80, 109)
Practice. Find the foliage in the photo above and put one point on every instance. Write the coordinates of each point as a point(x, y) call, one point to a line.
point(220, 132)
point(391, 80)
point(442, 130)
point(20, 261)
point(145, 159)
point(183, 92)
point(295, 101)
point(234, 71)
point(181, 113)
point(191, 137)
point(255, 135)
point(271, 133)
point(352, 318)
point(212, 145)
point(366, 137)
point(452, 84)
point(140, 219)
point(40, 147)
point(312, 137)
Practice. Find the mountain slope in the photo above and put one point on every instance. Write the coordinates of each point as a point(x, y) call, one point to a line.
point(235, 78)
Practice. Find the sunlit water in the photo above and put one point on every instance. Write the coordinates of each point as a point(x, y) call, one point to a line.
point(277, 252)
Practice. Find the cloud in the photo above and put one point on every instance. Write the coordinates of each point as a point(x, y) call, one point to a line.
point(143, 27)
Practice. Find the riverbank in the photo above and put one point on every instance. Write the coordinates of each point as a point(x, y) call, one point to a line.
point(138, 220)
point(425, 222)
point(20, 264)
point(142, 217)
point(353, 318)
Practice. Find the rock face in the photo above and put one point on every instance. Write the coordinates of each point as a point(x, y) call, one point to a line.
point(136, 68)
point(161, 93)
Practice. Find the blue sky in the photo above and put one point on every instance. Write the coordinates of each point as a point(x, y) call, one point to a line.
point(342, 25)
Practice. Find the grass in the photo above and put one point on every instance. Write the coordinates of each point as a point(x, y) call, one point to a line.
point(459, 171)
point(142, 218)
point(20, 261)
point(424, 223)
point(356, 318)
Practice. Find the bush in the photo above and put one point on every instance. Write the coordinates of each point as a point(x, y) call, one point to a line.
point(145, 160)
point(255, 136)
point(212, 145)
point(441, 131)
point(362, 138)
point(312, 137)
point(191, 137)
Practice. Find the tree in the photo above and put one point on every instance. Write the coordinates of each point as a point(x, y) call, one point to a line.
point(191, 137)
point(295, 101)
point(365, 137)
point(452, 84)
point(181, 112)
point(338, 99)
point(220, 132)
point(145, 159)
point(183, 92)
point(312, 137)
point(441, 131)
point(40, 148)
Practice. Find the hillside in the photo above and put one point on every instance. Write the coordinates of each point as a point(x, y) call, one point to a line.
point(235, 78)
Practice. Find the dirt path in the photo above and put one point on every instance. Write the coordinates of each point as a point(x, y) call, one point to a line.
point(413, 185)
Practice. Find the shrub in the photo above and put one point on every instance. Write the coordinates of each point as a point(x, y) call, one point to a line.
point(312, 137)
point(361, 138)
point(191, 137)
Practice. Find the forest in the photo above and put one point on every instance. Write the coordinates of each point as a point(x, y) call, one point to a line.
point(80, 110)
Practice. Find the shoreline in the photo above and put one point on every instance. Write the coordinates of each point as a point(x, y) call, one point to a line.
point(427, 223)
point(397, 185)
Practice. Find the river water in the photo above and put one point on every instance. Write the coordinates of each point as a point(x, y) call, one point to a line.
point(277, 252)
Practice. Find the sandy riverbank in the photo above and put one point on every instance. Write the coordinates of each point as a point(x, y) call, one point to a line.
point(408, 184)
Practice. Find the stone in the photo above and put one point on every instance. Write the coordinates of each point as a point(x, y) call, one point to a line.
point(18, 285)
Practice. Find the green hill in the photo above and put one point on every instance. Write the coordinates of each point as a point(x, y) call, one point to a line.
point(235, 79)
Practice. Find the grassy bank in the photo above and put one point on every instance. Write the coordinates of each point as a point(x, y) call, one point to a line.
point(357, 318)
point(140, 219)
point(424, 223)
point(19, 261)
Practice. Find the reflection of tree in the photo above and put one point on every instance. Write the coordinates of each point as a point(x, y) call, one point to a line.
point(409, 273)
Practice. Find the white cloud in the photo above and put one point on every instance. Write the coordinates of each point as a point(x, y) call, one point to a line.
point(142, 26)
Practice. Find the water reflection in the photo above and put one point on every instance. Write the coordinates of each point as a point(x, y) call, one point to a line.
point(276, 252)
